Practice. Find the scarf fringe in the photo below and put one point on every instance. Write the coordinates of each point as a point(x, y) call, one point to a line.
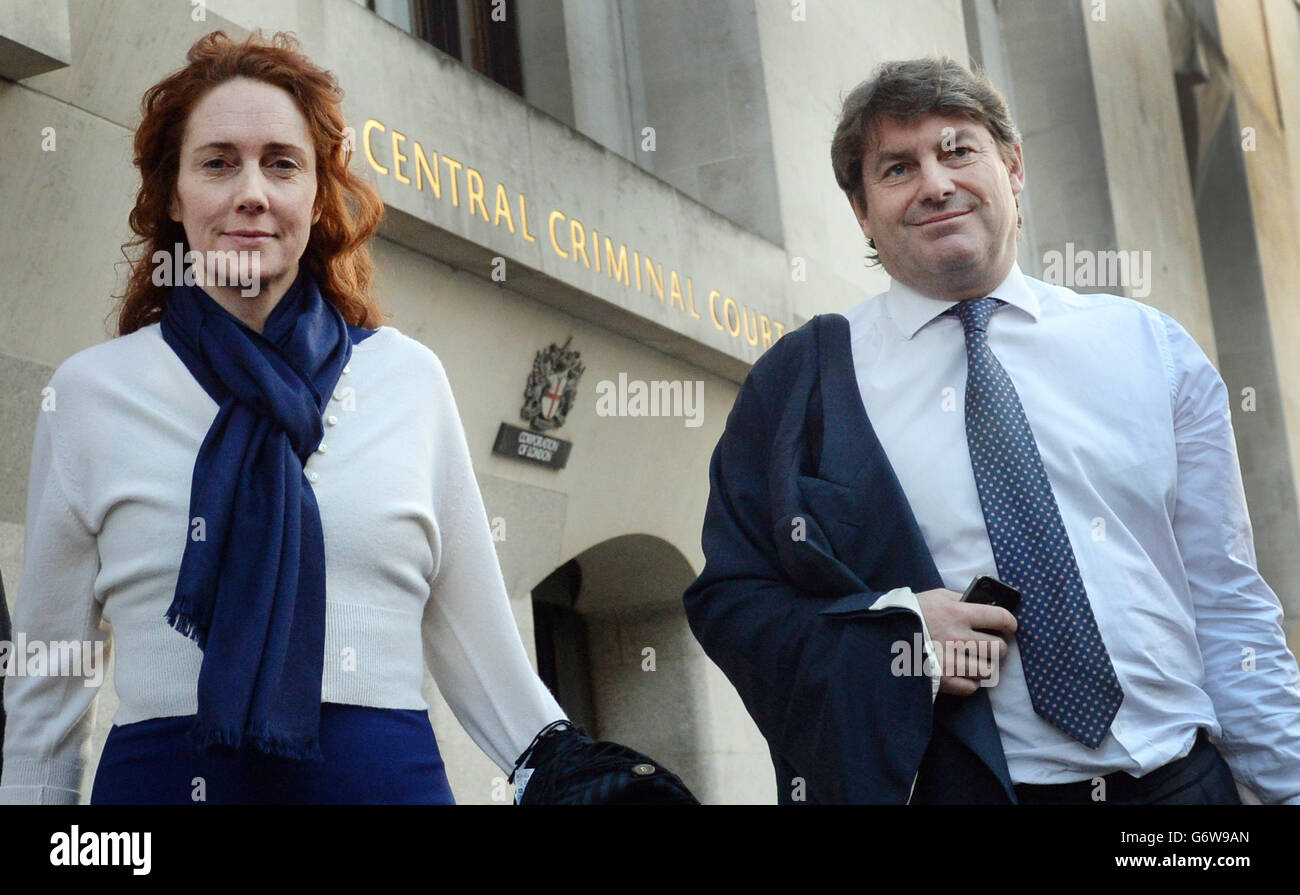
point(301, 748)
point(183, 623)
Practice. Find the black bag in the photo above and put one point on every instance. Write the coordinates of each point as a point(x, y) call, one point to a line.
point(564, 766)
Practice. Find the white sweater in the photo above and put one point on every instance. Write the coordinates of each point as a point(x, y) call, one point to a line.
point(411, 573)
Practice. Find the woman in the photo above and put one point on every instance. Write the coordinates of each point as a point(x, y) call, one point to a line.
point(263, 490)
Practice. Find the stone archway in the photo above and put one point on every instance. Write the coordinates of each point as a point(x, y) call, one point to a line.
point(614, 645)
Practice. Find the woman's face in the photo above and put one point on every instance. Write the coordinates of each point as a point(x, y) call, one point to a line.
point(247, 184)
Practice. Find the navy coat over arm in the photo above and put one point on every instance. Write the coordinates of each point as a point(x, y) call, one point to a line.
point(806, 527)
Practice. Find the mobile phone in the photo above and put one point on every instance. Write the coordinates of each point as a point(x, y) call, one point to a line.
point(989, 590)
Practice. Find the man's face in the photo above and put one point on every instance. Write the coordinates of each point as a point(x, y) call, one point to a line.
point(941, 205)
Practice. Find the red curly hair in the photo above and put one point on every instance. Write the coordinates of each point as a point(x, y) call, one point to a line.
point(337, 253)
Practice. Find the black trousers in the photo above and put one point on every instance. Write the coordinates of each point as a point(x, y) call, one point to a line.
point(1201, 777)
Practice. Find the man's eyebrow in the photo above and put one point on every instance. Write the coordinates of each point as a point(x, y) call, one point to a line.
point(266, 147)
point(891, 155)
point(896, 155)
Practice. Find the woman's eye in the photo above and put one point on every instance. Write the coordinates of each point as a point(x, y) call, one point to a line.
point(284, 164)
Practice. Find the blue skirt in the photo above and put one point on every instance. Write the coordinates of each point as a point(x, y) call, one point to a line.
point(372, 757)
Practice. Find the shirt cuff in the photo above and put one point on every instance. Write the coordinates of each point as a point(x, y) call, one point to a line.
point(903, 598)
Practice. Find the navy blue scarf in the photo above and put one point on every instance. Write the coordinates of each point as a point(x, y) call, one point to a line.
point(251, 590)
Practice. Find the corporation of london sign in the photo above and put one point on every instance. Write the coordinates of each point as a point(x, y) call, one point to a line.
point(549, 393)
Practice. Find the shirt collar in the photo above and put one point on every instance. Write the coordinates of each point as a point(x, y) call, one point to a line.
point(911, 310)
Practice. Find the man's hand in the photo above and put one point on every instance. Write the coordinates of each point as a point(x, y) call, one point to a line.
point(965, 638)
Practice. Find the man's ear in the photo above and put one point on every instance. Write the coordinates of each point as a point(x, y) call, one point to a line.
point(1016, 173)
point(173, 208)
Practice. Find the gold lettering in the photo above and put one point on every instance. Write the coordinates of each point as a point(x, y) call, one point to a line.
point(758, 327)
point(619, 272)
point(452, 167)
point(656, 278)
point(523, 219)
point(736, 318)
point(372, 124)
point(474, 181)
point(729, 305)
point(556, 215)
point(690, 291)
point(578, 242)
point(503, 207)
point(675, 291)
point(714, 295)
point(398, 158)
point(747, 315)
point(434, 175)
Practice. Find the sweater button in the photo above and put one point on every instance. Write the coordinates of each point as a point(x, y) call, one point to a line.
point(321, 448)
point(347, 368)
point(331, 420)
point(313, 476)
point(338, 394)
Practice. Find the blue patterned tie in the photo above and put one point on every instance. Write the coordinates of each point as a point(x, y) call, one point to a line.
point(1071, 680)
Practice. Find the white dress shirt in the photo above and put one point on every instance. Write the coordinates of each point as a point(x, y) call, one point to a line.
point(1133, 425)
point(412, 578)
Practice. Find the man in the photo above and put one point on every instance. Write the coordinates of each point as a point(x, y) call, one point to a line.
point(6, 637)
point(975, 421)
